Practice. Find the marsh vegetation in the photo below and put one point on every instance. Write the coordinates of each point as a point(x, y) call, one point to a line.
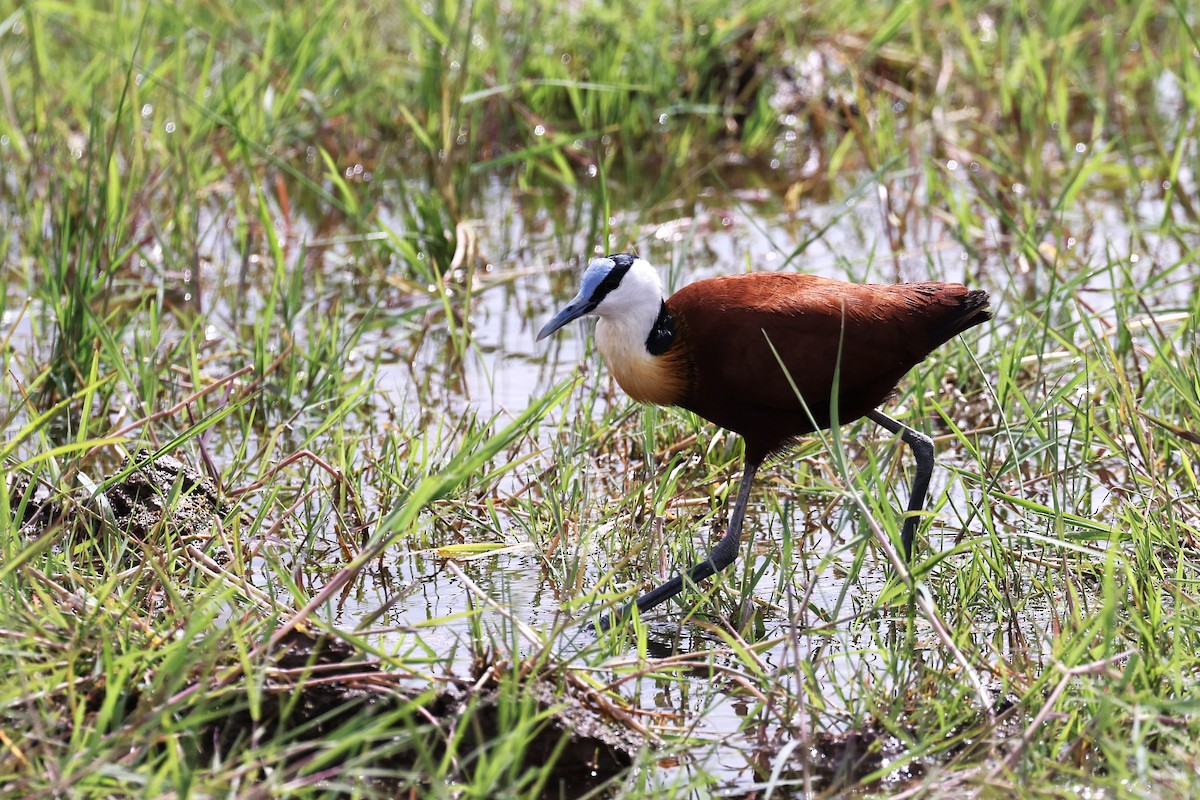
point(294, 506)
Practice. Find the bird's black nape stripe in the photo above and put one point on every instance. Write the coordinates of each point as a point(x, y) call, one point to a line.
point(621, 264)
point(662, 334)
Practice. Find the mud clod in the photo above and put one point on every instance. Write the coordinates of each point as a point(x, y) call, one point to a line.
point(136, 505)
point(322, 684)
point(139, 502)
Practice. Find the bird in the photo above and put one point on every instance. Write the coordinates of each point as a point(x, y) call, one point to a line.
point(770, 356)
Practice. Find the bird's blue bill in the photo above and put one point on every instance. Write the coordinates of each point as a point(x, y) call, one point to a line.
point(578, 307)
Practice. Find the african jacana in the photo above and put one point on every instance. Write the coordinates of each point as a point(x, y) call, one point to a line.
point(730, 349)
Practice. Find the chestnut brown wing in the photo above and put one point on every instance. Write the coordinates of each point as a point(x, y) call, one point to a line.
point(870, 334)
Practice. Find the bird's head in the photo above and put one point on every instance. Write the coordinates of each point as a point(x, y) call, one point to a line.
point(620, 288)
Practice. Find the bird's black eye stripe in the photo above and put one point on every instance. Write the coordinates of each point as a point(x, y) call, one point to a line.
point(611, 281)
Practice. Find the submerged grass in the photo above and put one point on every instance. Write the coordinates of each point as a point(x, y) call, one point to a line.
point(277, 522)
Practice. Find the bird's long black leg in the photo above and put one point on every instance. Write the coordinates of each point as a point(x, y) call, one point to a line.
point(721, 556)
point(922, 447)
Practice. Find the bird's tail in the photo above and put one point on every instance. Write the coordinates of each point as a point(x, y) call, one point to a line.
point(972, 310)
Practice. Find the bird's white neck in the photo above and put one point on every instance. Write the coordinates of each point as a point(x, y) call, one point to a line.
point(627, 316)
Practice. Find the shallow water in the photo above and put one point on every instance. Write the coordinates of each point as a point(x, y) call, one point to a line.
point(522, 284)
